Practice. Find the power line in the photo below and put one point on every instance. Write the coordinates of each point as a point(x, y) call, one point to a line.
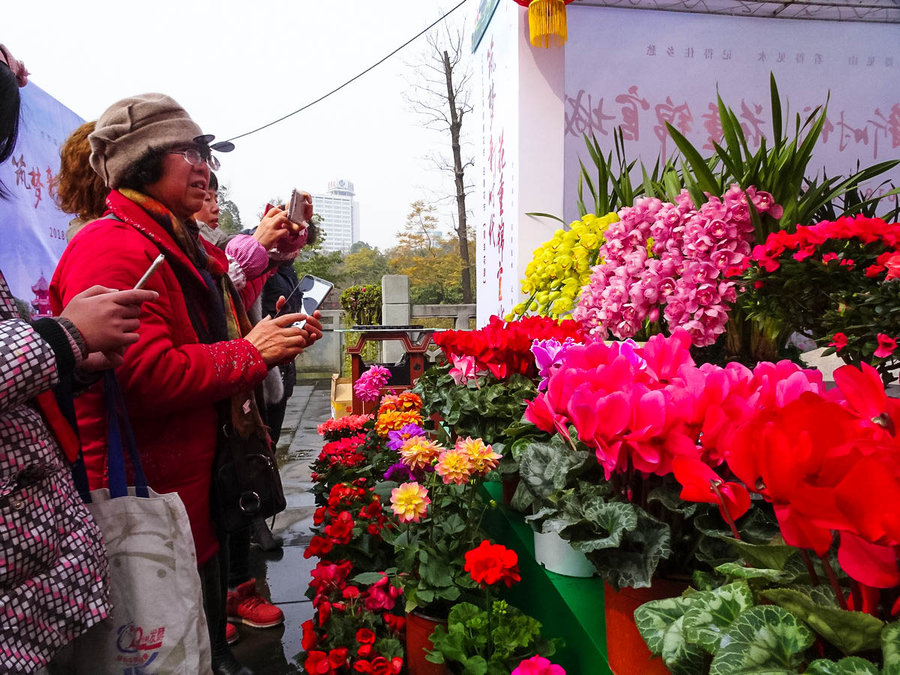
point(355, 77)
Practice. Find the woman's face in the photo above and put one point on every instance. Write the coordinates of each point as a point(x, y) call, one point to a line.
point(209, 214)
point(182, 187)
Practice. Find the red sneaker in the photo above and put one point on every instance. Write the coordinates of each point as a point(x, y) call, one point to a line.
point(246, 605)
point(231, 633)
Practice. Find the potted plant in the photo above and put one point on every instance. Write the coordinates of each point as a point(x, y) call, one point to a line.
point(493, 637)
point(632, 423)
point(824, 596)
point(837, 282)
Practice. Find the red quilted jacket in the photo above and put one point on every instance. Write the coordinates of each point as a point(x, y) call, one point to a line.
point(170, 380)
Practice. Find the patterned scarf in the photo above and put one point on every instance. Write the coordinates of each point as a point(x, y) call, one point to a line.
point(217, 312)
point(227, 300)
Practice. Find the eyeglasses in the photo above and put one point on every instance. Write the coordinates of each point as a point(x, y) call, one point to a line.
point(195, 157)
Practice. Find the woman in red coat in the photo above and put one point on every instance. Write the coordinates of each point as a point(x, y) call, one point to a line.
point(190, 354)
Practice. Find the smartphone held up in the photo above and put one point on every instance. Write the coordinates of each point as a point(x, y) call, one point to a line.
point(312, 291)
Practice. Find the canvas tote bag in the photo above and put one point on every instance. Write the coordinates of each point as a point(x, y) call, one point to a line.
point(157, 624)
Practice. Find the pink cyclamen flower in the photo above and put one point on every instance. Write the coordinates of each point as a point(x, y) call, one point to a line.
point(368, 385)
point(463, 369)
point(893, 267)
point(538, 665)
point(886, 346)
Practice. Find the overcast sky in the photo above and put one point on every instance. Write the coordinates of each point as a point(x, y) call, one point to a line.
point(238, 64)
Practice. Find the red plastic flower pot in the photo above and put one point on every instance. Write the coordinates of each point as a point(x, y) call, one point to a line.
point(418, 643)
point(625, 648)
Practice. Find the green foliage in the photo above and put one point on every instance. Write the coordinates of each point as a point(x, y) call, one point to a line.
point(779, 166)
point(852, 665)
point(851, 632)
point(363, 304)
point(483, 408)
point(890, 645)
point(483, 643)
point(762, 639)
point(430, 260)
point(229, 215)
point(364, 266)
point(661, 624)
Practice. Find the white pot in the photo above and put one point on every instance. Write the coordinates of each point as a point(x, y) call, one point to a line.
point(557, 555)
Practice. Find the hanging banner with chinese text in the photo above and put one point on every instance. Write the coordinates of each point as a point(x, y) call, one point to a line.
point(639, 69)
point(496, 171)
point(32, 227)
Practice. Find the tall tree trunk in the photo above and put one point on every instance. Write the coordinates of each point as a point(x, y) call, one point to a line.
point(455, 127)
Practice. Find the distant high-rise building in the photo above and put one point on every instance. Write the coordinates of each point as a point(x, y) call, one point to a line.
point(340, 213)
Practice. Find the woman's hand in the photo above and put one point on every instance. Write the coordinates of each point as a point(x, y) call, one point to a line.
point(278, 341)
point(273, 227)
point(107, 319)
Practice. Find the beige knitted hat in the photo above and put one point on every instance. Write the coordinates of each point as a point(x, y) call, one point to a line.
point(130, 127)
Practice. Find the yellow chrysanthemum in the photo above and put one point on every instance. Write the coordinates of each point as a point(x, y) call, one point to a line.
point(409, 502)
point(418, 452)
point(482, 457)
point(454, 466)
point(394, 420)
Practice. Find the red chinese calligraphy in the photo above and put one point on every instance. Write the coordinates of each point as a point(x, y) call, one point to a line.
point(679, 116)
point(35, 175)
point(582, 116)
point(630, 102)
point(751, 122)
point(713, 125)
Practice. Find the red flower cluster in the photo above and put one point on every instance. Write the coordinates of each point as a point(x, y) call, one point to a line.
point(504, 348)
point(343, 426)
point(807, 239)
point(489, 564)
point(831, 464)
point(342, 452)
point(350, 522)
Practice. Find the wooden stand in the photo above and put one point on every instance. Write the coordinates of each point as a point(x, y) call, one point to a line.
point(415, 342)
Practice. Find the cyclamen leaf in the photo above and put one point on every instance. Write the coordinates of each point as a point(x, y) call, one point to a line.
point(654, 618)
point(680, 656)
point(852, 665)
point(713, 612)
point(890, 645)
point(850, 632)
point(635, 561)
point(739, 571)
point(762, 639)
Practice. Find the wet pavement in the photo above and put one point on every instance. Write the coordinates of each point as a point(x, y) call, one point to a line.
point(283, 575)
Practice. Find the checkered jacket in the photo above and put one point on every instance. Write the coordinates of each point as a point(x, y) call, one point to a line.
point(53, 568)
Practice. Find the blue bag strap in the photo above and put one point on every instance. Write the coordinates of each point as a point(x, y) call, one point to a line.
point(80, 479)
point(121, 438)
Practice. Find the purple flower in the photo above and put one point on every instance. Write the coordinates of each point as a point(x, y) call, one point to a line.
point(548, 355)
point(399, 473)
point(396, 439)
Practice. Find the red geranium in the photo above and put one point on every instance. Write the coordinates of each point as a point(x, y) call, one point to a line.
point(365, 636)
point(491, 563)
point(341, 528)
point(317, 662)
point(337, 657)
point(318, 546)
point(308, 641)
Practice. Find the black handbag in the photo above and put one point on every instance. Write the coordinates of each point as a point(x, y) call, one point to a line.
point(246, 482)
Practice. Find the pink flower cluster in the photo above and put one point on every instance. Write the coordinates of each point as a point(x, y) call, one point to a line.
point(675, 259)
point(368, 385)
point(643, 408)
